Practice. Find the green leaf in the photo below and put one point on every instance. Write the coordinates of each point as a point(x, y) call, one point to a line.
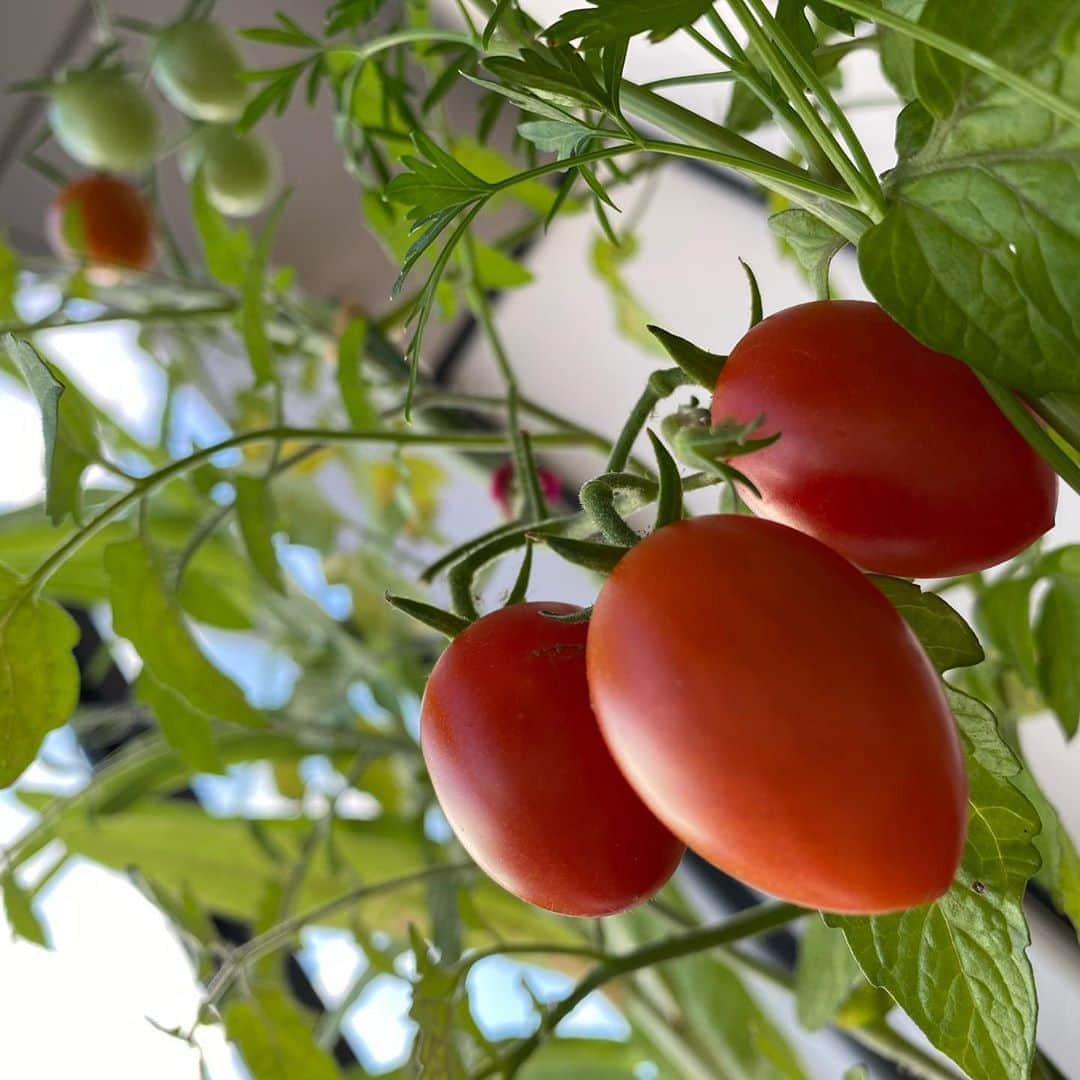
point(275, 1041)
point(564, 138)
point(1059, 874)
point(187, 730)
point(492, 166)
point(977, 253)
point(449, 1045)
point(9, 280)
point(825, 975)
point(857, 1072)
point(948, 640)
point(584, 1059)
point(811, 241)
point(898, 50)
point(496, 271)
point(958, 966)
point(227, 251)
point(256, 515)
point(67, 426)
point(631, 318)
point(39, 679)
point(19, 909)
point(1002, 614)
point(587, 553)
point(1057, 637)
point(699, 364)
point(253, 301)
point(354, 387)
point(737, 1033)
point(147, 615)
point(611, 21)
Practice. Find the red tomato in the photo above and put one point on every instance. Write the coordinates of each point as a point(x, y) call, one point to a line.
point(890, 453)
point(524, 777)
point(775, 712)
point(105, 220)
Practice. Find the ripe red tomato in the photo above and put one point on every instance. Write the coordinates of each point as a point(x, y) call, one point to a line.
point(105, 220)
point(890, 453)
point(775, 712)
point(524, 777)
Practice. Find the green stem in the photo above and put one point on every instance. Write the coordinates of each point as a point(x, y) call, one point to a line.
point(806, 71)
point(1062, 413)
point(284, 932)
point(757, 920)
point(882, 1039)
point(659, 386)
point(883, 17)
point(404, 37)
point(778, 55)
point(150, 315)
point(151, 483)
point(1033, 432)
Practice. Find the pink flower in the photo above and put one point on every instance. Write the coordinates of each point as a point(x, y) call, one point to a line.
point(503, 487)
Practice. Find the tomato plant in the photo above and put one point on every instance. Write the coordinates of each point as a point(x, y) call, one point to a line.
point(105, 220)
point(200, 71)
point(839, 785)
point(834, 736)
point(104, 120)
point(890, 453)
point(524, 777)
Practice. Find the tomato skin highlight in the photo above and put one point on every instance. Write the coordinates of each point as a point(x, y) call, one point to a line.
point(776, 713)
point(105, 220)
point(523, 775)
point(890, 453)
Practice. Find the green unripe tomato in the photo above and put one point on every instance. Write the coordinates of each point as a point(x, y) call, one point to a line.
point(200, 72)
point(104, 121)
point(240, 170)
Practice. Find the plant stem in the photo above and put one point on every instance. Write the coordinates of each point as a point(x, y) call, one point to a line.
point(150, 315)
point(404, 37)
point(917, 32)
point(284, 931)
point(774, 48)
point(149, 484)
point(757, 920)
point(1033, 432)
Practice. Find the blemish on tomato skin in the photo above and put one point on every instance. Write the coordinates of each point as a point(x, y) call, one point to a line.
point(558, 649)
point(979, 887)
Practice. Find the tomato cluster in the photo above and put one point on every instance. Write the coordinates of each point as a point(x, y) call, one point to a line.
point(741, 686)
point(105, 121)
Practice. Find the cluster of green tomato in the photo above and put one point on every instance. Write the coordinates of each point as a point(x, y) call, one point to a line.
point(741, 685)
point(105, 121)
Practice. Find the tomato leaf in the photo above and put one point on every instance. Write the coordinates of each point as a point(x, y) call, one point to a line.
point(228, 251)
point(255, 513)
point(1059, 874)
point(354, 387)
point(39, 679)
point(67, 425)
point(958, 967)
point(449, 1045)
point(147, 615)
point(611, 21)
point(631, 317)
point(187, 730)
point(19, 909)
point(948, 640)
point(1057, 637)
point(274, 1039)
point(253, 301)
point(825, 976)
point(1002, 614)
point(976, 255)
point(811, 241)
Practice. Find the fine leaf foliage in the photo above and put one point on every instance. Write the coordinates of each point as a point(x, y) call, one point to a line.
point(185, 728)
point(958, 967)
point(147, 615)
point(39, 687)
point(610, 21)
point(256, 514)
point(812, 242)
point(977, 253)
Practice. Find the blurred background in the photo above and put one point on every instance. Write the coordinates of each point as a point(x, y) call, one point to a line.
point(95, 1005)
